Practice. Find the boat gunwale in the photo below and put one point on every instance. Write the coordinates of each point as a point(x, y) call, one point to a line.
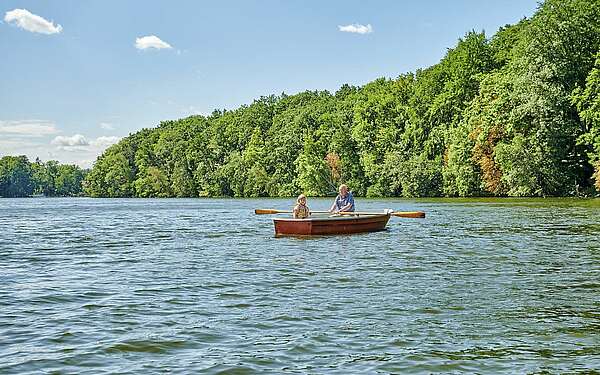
point(336, 218)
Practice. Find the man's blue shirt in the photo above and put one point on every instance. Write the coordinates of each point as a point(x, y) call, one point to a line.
point(343, 201)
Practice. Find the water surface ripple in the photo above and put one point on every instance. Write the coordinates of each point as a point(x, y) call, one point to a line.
point(201, 285)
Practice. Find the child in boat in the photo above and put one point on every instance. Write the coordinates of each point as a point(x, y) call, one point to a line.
point(301, 210)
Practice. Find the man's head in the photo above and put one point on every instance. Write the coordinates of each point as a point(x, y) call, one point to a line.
point(343, 190)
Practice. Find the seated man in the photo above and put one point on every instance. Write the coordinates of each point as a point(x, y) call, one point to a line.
point(344, 202)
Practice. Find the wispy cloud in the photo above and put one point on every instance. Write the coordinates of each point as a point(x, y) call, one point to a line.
point(85, 163)
point(31, 22)
point(41, 138)
point(195, 111)
point(107, 126)
point(151, 41)
point(16, 144)
point(79, 142)
point(356, 28)
point(34, 128)
point(103, 142)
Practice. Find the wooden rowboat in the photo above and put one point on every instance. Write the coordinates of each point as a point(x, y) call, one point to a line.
point(331, 225)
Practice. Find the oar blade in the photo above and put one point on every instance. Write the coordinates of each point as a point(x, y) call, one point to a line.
point(260, 211)
point(410, 214)
point(269, 211)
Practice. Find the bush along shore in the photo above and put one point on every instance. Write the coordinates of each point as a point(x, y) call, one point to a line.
point(21, 178)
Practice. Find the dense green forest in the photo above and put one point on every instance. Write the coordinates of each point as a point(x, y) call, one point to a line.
point(515, 114)
point(21, 178)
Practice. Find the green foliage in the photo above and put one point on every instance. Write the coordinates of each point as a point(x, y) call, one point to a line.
point(314, 175)
point(516, 114)
point(112, 176)
point(417, 176)
point(587, 101)
point(20, 178)
point(68, 181)
point(153, 184)
point(461, 175)
point(15, 177)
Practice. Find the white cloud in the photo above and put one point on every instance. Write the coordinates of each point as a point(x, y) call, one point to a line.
point(31, 22)
point(151, 41)
point(76, 140)
point(79, 142)
point(36, 128)
point(104, 142)
point(356, 28)
point(107, 126)
point(39, 138)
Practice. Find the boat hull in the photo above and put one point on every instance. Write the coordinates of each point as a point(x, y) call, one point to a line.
point(330, 225)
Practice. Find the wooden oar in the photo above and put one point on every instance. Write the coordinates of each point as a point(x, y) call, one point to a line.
point(260, 211)
point(409, 214)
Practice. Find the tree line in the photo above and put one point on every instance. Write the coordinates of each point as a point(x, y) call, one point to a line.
point(514, 114)
point(21, 178)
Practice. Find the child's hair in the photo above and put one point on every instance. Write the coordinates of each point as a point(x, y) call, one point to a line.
point(301, 196)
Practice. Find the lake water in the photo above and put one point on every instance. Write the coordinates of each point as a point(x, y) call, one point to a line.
point(201, 285)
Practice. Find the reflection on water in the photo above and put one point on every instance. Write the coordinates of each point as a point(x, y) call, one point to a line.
point(144, 286)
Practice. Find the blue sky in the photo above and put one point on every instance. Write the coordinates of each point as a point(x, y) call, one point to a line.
point(73, 81)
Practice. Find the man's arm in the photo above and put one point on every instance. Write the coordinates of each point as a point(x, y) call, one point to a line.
point(333, 207)
point(346, 208)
